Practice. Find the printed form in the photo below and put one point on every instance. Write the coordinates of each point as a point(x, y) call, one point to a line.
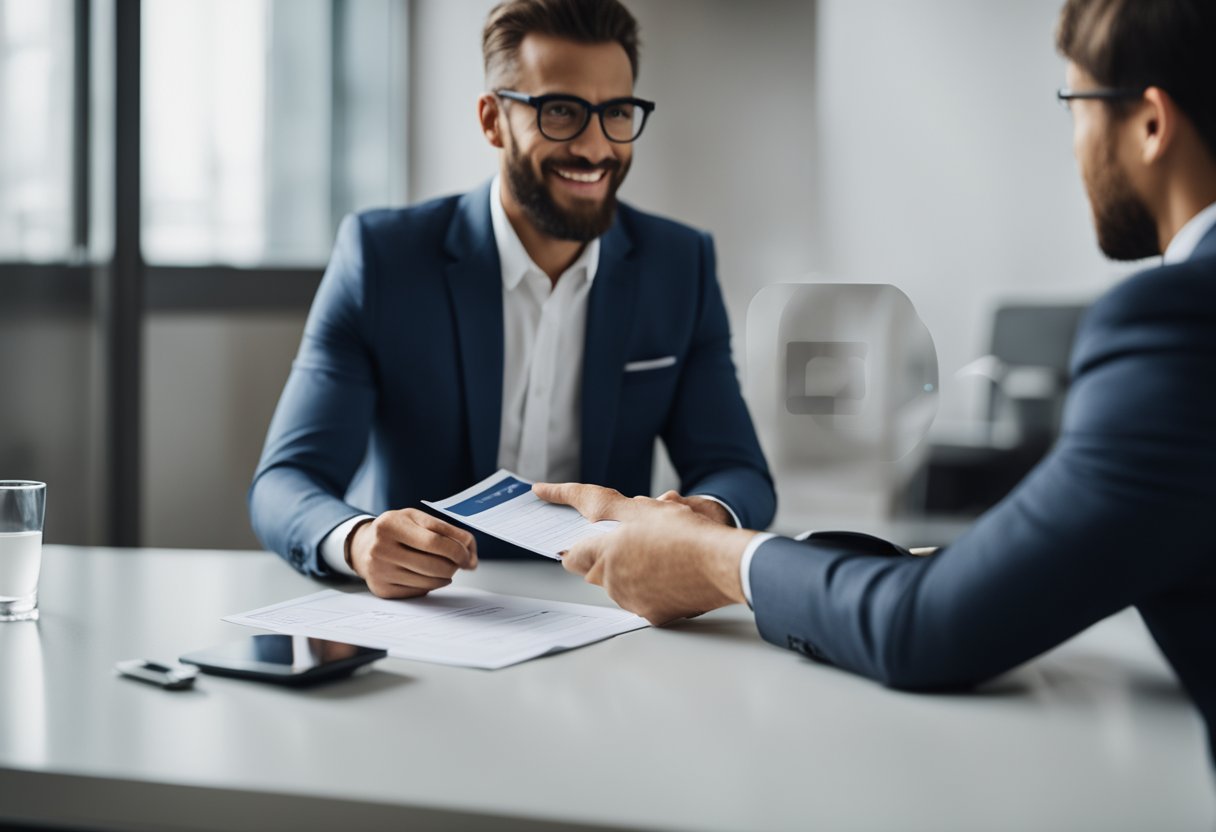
point(455, 625)
point(504, 506)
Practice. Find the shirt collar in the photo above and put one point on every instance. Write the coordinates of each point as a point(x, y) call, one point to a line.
point(1183, 245)
point(514, 258)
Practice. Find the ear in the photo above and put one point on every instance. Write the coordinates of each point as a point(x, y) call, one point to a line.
point(488, 112)
point(1157, 124)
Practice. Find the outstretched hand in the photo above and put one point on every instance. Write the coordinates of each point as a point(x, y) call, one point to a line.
point(665, 561)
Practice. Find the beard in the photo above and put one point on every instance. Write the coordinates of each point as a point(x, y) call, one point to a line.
point(1126, 228)
point(581, 224)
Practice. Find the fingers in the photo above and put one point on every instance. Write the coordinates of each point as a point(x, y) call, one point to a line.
point(420, 531)
point(406, 553)
point(388, 580)
point(592, 501)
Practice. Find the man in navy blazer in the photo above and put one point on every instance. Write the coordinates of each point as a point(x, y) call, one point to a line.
point(1119, 513)
point(533, 324)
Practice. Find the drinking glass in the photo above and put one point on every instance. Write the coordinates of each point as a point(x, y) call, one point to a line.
point(22, 506)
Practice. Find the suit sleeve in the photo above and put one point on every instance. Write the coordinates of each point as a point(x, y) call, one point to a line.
point(709, 434)
point(1117, 514)
point(320, 429)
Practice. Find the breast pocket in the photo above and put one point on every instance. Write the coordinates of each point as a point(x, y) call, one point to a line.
point(648, 389)
point(651, 369)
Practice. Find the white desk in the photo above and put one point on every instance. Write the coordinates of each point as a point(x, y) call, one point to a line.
point(698, 727)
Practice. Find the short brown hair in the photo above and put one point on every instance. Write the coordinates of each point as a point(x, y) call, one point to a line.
point(1169, 44)
point(582, 21)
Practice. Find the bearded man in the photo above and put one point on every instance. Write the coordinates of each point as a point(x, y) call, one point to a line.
point(535, 324)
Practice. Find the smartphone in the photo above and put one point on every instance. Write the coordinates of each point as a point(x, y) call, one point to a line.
point(284, 660)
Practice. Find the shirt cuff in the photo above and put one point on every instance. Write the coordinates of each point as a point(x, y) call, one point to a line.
point(333, 547)
point(734, 518)
point(745, 562)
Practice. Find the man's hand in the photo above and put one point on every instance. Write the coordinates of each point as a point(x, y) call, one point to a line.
point(703, 506)
point(406, 553)
point(665, 561)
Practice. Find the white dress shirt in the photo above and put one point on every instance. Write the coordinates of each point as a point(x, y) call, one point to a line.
point(544, 326)
point(1183, 245)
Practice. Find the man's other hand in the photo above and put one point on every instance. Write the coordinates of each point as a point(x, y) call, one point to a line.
point(406, 553)
point(665, 561)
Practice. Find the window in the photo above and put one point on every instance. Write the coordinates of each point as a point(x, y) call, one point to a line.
point(264, 122)
point(35, 129)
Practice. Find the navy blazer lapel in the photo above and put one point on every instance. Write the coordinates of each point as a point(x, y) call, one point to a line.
point(610, 314)
point(475, 284)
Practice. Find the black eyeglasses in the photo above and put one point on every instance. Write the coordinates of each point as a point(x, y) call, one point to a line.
point(1065, 95)
point(563, 118)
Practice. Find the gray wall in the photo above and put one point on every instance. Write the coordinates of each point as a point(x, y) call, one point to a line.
point(47, 429)
point(211, 384)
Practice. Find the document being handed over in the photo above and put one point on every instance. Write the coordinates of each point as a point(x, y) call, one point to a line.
point(458, 625)
point(504, 506)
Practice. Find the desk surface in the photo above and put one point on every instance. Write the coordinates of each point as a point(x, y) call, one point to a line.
point(701, 726)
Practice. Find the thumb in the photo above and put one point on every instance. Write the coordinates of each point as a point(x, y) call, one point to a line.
point(582, 557)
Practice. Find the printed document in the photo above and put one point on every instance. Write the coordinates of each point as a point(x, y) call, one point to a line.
point(455, 625)
point(503, 505)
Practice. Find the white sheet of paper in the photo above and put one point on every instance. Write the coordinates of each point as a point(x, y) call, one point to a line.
point(455, 625)
point(504, 506)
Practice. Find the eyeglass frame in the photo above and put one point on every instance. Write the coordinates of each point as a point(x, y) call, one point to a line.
point(1065, 95)
point(539, 101)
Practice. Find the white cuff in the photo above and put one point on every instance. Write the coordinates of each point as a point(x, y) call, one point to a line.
point(745, 562)
point(734, 518)
point(333, 547)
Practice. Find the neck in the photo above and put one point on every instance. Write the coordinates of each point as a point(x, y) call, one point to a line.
point(552, 255)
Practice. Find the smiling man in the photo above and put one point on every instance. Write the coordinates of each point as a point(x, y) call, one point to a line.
point(1119, 514)
point(535, 324)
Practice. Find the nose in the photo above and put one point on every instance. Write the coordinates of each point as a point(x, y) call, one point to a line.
point(592, 144)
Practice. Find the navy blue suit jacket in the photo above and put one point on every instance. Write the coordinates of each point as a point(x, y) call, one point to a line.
point(1120, 513)
point(400, 369)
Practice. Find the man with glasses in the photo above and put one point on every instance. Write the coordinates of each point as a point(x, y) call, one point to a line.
point(535, 324)
point(1120, 512)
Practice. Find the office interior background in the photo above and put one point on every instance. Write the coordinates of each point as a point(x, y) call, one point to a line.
point(190, 198)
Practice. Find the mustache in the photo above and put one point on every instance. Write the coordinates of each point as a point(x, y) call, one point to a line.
point(609, 165)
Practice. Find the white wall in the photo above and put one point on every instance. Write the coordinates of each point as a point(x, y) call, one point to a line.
point(946, 165)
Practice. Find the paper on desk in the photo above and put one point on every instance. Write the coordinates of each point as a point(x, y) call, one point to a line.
point(455, 625)
point(504, 506)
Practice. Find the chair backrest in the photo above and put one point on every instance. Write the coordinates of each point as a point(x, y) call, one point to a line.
point(1037, 338)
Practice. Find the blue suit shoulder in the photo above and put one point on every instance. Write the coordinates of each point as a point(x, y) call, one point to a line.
point(1163, 308)
point(407, 228)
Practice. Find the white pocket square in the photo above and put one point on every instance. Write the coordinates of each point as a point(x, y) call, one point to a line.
point(650, 364)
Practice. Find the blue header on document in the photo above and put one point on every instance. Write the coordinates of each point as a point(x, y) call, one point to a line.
point(504, 505)
point(500, 492)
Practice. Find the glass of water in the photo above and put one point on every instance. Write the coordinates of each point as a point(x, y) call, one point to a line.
point(22, 506)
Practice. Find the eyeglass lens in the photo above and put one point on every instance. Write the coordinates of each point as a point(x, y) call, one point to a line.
point(563, 120)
